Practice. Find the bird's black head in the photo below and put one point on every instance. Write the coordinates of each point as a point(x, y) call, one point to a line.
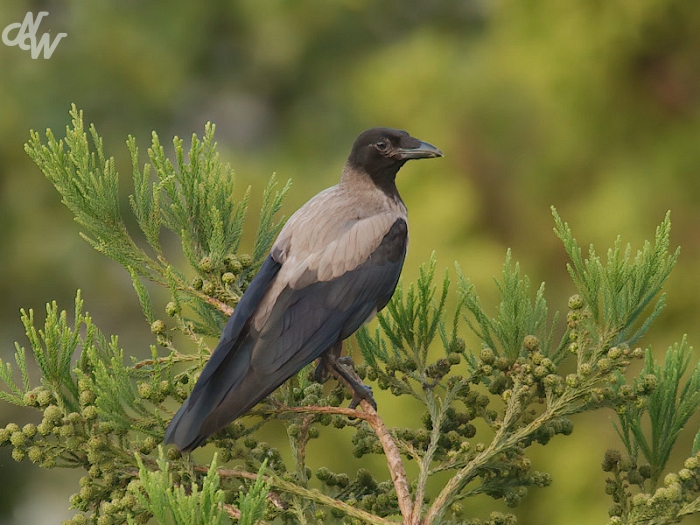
point(380, 152)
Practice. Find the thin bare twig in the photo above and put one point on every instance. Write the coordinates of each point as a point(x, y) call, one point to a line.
point(236, 513)
point(314, 495)
point(393, 459)
point(313, 409)
point(219, 305)
point(179, 358)
point(232, 511)
point(391, 450)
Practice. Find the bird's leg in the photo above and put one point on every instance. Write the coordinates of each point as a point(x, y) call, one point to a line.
point(342, 368)
point(324, 367)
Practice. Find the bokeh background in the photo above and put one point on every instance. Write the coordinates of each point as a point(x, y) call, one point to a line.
point(593, 107)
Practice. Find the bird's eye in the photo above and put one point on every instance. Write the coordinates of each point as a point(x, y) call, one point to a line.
point(382, 146)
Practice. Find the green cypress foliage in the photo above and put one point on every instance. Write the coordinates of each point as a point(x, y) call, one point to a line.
point(105, 411)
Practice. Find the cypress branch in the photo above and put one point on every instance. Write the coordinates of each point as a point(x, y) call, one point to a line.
point(105, 412)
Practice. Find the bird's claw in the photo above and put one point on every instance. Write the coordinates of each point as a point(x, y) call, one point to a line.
point(363, 393)
point(343, 369)
point(346, 361)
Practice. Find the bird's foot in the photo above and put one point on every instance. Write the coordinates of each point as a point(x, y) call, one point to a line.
point(362, 392)
point(343, 369)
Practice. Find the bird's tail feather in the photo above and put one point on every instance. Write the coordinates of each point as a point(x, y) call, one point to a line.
point(186, 430)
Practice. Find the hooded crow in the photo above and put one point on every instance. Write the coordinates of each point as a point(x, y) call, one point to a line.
point(334, 265)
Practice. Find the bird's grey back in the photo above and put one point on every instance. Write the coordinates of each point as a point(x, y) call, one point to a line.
point(332, 234)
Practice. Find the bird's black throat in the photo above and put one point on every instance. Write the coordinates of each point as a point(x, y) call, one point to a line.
point(382, 175)
point(385, 180)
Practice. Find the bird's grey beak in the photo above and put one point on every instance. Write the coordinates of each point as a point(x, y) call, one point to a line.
point(422, 151)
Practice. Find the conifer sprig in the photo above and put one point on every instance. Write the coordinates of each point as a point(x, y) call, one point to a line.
point(619, 290)
point(670, 404)
point(194, 198)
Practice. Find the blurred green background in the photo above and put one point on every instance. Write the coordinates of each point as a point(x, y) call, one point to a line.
point(593, 107)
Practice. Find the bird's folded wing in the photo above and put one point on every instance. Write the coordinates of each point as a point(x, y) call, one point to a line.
point(302, 324)
point(320, 251)
point(287, 318)
point(299, 321)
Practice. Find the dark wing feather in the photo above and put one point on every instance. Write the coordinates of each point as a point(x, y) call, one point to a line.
point(305, 322)
point(226, 366)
